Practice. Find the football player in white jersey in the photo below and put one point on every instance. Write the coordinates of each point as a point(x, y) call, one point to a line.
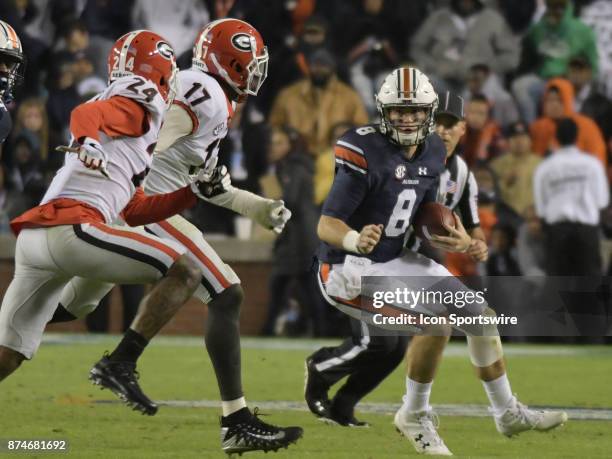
point(229, 63)
point(71, 233)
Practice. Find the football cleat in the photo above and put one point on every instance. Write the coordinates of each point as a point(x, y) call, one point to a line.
point(420, 428)
point(336, 417)
point(122, 379)
point(243, 431)
point(519, 418)
point(315, 391)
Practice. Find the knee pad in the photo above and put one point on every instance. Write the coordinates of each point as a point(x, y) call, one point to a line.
point(487, 349)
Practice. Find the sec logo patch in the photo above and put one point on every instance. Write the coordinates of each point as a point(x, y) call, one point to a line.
point(400, 172)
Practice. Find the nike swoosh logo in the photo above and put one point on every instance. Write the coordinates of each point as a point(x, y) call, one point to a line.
point(278, 436)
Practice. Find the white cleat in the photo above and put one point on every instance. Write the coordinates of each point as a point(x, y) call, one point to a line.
point(420, 428)
point(519, 418)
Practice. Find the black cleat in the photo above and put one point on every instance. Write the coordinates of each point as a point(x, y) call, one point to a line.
point(335, 417)
point(122, 379)
point(243, 431)
point(315, 390)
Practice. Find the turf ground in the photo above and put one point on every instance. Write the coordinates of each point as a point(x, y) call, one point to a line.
point(51, 397)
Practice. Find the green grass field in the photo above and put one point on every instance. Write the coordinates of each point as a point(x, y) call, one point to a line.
point(51, 397)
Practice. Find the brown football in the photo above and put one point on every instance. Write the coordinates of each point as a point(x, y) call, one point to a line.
point(428, 220)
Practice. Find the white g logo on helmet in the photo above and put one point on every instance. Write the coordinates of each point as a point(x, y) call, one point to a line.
point(242, 41)
point(406, 87)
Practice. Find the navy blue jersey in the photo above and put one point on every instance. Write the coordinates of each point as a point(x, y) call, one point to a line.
point(5, 122)
point(376, 184)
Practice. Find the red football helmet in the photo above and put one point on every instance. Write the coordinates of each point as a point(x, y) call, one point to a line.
point(149, 55)
point(235, 51)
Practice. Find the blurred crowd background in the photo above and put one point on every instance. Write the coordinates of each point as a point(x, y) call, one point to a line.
point(519, 65)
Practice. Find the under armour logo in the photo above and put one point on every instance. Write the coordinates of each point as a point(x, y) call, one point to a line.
point(420, 439)
point(422, 171)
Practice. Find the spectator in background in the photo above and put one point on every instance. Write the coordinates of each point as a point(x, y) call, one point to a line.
point(295, 247)
point(375, 42)
point(188, 17)
point(570, 189)
point(482, 140)
point(315, 104)
point(453, 39)
point(106, 20)
point(558, 103)
point(546, 51)
point(31, 122)
point(63, 95)
point(515, 168)
point(26, 175)
point(530, 245)
point(289, 62)
point(589, 101)
point(502, 261)
point(518, 14)
point(480, 80)
point(598, 16)
point(488, 198)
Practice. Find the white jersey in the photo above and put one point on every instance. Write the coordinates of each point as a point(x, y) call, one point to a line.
point(210, 110)
point(129, 158)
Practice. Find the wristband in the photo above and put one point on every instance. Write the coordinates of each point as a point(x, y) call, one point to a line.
point(349, 241)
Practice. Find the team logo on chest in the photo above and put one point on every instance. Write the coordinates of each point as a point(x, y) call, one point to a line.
point(400, 172)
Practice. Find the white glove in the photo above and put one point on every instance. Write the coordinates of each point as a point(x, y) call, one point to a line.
point(270, 214)
point(211, 183)
point(91, 154)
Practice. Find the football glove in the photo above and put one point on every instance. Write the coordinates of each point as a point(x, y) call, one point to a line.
point(270, 213)
point(91, 154)
point(211, 183)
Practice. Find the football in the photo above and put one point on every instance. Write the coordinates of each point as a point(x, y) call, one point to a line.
point(428, 220)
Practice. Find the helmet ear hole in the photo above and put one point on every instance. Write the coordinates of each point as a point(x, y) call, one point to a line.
point(162, 81)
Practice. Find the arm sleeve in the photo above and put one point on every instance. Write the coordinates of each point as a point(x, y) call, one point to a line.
point(468, 204)
point(178, 123)
point(115, 117)
point(143, 209)
point(347, 193)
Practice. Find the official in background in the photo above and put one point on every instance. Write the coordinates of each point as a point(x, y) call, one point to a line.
point(571, 189)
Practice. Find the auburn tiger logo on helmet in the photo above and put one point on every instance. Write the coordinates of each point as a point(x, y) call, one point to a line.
point(234, 51)
point(12, 61)
point(149, 55)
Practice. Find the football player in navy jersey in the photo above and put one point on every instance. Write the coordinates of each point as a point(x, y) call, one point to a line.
point(383, 174)
point(12, 66)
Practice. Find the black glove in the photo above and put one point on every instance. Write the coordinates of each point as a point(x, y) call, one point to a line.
point(208, 185)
